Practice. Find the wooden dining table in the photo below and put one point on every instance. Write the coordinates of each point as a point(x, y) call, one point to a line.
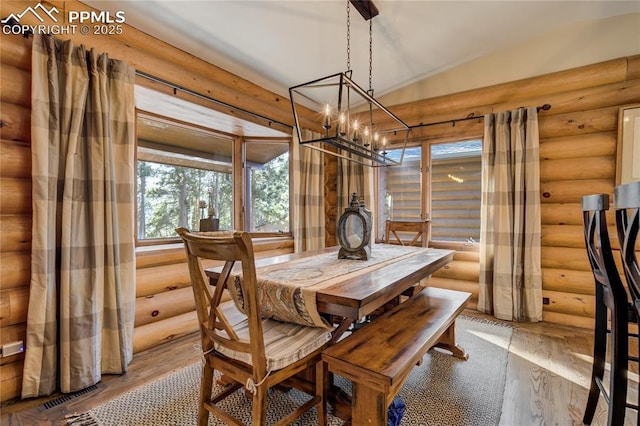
point(352, 296)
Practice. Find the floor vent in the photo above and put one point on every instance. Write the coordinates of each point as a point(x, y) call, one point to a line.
point(67, 397)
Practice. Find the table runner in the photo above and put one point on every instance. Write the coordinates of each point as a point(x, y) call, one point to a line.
point(287, 291)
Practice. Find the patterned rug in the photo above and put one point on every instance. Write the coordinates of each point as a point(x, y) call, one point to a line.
point(442, 391)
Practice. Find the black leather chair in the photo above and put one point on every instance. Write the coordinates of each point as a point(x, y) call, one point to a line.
point(627, 204)
point(611, 298)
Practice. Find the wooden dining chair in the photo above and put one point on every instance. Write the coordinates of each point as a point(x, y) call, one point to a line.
point(627, 207)
point(418, 229)
point(611, 300)
point(246, 349)
point(419, 232)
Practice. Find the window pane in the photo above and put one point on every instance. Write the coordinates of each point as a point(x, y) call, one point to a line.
point(267, 201)
point(184, 175)
point(399, 188)
point(456, 191)
point(169, 196)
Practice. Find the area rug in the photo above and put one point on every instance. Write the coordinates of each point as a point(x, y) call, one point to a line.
point(442, 391)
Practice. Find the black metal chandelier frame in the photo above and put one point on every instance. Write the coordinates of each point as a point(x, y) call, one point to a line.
point(366, 145)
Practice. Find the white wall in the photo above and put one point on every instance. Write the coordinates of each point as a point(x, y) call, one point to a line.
point(573, 46)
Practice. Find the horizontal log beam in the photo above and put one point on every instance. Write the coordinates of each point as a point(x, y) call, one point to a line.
point(633, 67)
point(579, 123)
point(162, 306)
point(15, 269)
point(568, 320)
point(569, 303)
point(565, 257)
point(15, 122)
point(572, 191)
point(561, 214)
point(15, 160)
point(459, 270)
point(578, 168)
point(15, 233)
point(15, 197)
point(601, 144)
point(15, 85)
point(569, 281)
point(510, 95)
point(150, 335)
point(13, 306)
point(15, 51)
point(11, 380)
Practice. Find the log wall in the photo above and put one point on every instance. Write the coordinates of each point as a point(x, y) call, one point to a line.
point(580, 129)
point(578, 145)
point(164, 304)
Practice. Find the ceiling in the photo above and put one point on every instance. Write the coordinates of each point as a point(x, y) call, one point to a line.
point(281, 43)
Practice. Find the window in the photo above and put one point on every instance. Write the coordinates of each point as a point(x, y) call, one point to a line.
point(456, 181)
point(267, 189)
point(400, 188)
point(200, 168)
point(453, 190)
point(178, 182)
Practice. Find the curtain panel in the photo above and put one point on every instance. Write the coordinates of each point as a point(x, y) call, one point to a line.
point(355, 177)
point(510, 268)
point(82, 291)
point(308, 194)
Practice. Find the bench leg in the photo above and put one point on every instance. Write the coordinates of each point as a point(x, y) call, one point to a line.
point(368, 406)
point(448, 342)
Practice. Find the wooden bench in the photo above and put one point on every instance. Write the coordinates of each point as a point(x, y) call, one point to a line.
point(379, 357)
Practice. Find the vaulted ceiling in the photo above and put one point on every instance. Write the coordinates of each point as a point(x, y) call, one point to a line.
point(281, 43)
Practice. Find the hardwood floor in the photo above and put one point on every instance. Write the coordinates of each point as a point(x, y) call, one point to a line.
point(547, 380)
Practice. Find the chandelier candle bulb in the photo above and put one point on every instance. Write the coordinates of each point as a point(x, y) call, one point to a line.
point(355, 131)
point(341, 129)
point(327, 119)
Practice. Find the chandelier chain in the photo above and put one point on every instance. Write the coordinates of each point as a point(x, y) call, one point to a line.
point(348, 37)
point(370, 55)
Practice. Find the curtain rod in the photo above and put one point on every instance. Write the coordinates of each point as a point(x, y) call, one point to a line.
point(453, 121)
point(210, 99)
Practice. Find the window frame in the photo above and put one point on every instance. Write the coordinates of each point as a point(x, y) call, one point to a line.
point(238, 173)
point(425, 187)
point(245, 183)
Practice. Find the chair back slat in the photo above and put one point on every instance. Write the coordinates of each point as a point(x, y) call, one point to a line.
point(611, 307)
point(215, 325)
point(598, 245)
point(627, 205)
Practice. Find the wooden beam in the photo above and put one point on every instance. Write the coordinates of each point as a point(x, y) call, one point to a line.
point(366, 8)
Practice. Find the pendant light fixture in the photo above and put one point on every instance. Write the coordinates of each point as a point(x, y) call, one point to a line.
point(344, 112)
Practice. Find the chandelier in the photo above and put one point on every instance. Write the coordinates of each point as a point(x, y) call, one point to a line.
point(350, 122)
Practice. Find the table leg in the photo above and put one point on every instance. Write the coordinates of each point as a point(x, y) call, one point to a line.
point(340, 329)
point(448, 342)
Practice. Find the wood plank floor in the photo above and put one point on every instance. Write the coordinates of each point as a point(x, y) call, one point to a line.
point(547, 380)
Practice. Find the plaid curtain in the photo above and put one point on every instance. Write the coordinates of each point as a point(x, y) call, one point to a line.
point(308, 192)
point(82, 300)
point(355, 177)
point(510, 271)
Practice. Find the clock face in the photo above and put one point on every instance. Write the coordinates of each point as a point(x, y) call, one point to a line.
point(352, 231)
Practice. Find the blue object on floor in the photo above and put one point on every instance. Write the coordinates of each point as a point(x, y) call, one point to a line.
point(396, 411)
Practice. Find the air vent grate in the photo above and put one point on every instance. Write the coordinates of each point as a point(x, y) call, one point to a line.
point(67, 397)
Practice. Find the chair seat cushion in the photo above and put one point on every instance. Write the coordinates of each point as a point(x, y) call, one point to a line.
point(285, 343)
